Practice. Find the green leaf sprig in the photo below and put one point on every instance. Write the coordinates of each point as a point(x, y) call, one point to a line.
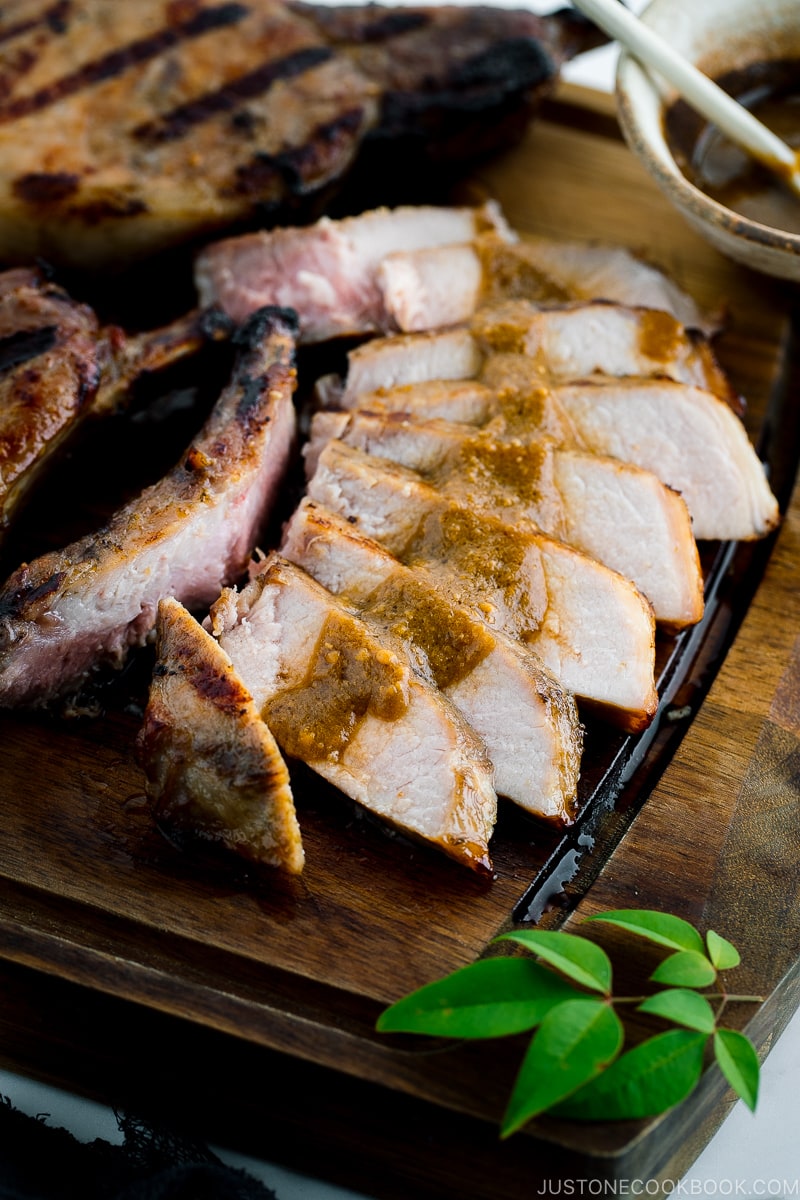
point(576, 1064)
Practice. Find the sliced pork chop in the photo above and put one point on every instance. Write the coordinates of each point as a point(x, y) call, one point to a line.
point(213, 768)
point(342, 696)
point(686, 436)
point(126, 128)
point(690, 439)
point(327, 272)
point(578, 341)
point(433, 287)
point(528, 724)
point(590, 627)
point(563, 344)
point(186, 536)
point(619, 514)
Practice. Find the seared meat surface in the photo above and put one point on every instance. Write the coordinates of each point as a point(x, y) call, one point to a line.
point(125, 128)
point(58, 365)
point(51, 361)
point(186, 536)
point(528, 724)
point(212, 766)
point(340, 695)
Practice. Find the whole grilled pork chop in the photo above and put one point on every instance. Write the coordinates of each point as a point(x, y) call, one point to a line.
point(125, 128)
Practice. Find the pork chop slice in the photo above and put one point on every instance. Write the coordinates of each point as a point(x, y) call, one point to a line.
point(528, 724)
point(327, 272)
point(690, 438)
point(342, 696)
point(213, 768)
point(562, 344)
point(433, 287)
point(687, 436)
point(186, 536)
point(621, 515)
point(589, 626)
point(597, 338)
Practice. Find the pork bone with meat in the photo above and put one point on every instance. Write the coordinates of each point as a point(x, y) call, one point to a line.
point(187, 536)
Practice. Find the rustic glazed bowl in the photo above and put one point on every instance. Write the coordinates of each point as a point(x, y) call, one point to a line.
point(718, 36)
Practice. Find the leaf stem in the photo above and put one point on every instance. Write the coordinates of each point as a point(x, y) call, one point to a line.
point(726, 997)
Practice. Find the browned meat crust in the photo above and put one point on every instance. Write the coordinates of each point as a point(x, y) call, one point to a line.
point(125, 128)
point(187, 536)
point(213, 767)
point(50, 368)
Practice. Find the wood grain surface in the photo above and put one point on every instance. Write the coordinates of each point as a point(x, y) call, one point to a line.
point(115, 944)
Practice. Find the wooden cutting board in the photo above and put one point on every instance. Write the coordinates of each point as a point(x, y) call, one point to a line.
point(245, 1004)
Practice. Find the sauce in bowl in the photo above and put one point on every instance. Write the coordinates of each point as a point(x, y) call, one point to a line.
point(716, 166)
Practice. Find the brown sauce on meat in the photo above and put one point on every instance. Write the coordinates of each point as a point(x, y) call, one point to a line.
point(349, 677)
point(515, 468)
point(771, 90)
point(508, 276)
point(659, 335)
point(452, 642)
point(491, 557)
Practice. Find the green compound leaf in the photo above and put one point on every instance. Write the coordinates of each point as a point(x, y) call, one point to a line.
point(663, 928)
point(490, 998)
point(645, 1081)
point(573, 1043)
point(687, 968)
point(682, 1006)
point(738, 1062)
point(574, 956)
point(722, 953)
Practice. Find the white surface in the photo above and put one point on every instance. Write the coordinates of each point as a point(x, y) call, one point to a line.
point(752, 1155)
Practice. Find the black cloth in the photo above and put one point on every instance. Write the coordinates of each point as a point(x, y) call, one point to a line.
point(39, 1161)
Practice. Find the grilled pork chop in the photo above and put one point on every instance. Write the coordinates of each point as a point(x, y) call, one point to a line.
point(433, 287)
point(686, 436)
point(125, 128)
point(328, 272)
point(342, 696)
point(563, 344)
point(590, 627)
point(528, 724)
point(59, 366)
point(621, 515)
point(186, 536)
point(213, 768)
point(50, 367)
point(579, 341)
point(414, 269)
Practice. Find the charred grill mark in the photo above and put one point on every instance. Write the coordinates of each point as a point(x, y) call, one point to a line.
point(54, 17)
point(41, 187)
point(21, 347)
point(300, 164)
point(392, 26)
point(117, 61)
point(95, 212)
point(20, 601)
point(509, 63)
point(176, 124)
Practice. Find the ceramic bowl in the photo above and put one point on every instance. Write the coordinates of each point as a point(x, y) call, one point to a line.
point(718, 36)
